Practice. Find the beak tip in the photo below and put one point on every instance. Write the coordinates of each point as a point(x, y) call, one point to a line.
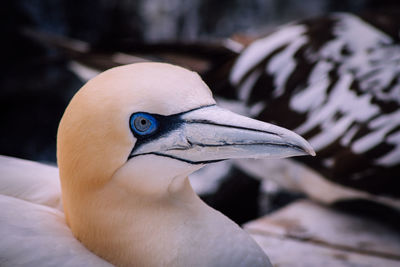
point(308, 149)
point(303, 145)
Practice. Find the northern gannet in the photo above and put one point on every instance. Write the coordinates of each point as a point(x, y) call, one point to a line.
point(125, 146)
point(333, 79)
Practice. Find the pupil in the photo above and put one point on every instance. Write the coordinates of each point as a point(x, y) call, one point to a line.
point(143, 124)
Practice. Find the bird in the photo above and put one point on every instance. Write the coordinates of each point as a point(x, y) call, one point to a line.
point(334, 80)
point(125, 145)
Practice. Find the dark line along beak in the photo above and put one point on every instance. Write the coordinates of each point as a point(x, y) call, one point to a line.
point(212, 134)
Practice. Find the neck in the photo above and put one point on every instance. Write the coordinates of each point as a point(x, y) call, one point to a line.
point(136, 215)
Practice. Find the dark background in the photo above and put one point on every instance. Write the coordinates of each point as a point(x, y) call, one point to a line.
point(36, 83)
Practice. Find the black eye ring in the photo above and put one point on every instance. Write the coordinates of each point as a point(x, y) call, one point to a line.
point(143, 123)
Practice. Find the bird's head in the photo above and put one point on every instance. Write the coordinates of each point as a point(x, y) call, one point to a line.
point(140, 126)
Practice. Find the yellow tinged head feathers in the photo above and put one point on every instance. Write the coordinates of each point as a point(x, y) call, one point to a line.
point(95, 126)
point(94, 139)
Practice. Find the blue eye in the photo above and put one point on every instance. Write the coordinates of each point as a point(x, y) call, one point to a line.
point(143, 123)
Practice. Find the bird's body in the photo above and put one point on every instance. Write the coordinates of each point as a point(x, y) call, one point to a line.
point(32, 223)
point(126, 144)
point(47, 240)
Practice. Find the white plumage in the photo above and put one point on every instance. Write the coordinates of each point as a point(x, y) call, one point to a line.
point(32, 223)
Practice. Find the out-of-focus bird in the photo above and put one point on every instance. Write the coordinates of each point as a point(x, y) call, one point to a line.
point(334, 80)
point(125, 146)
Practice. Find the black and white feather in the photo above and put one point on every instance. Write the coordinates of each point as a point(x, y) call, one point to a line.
point(336, 81)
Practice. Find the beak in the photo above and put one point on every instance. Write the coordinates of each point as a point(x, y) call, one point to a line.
point(210, 134)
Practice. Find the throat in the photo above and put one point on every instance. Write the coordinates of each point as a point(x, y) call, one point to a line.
point(133, 216)
point(181, 190)
point(126, 228)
